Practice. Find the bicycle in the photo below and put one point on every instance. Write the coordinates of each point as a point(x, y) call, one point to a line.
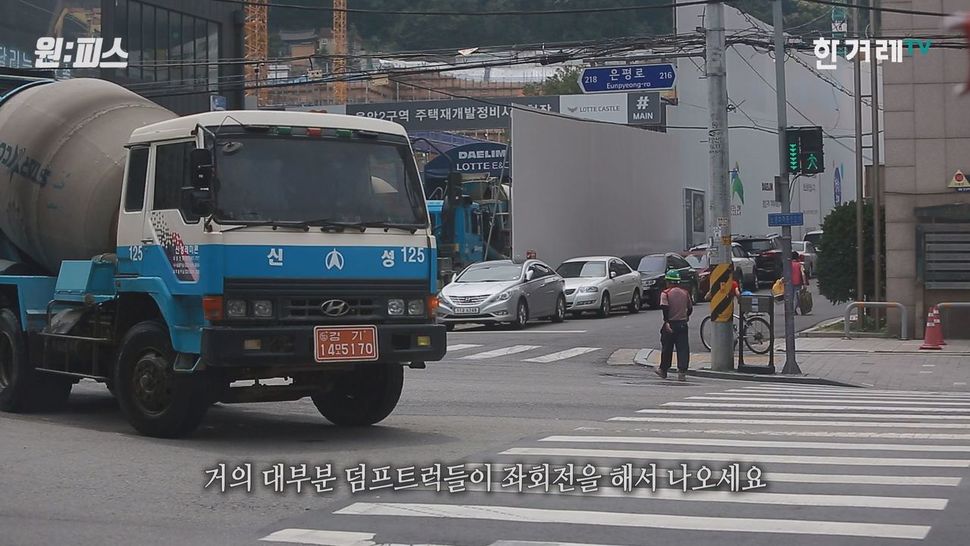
point(757, 333)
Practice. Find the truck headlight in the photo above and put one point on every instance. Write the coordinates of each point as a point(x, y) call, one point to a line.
point(589, 289)
point(395, 307)
point(416, 307)
point(236, 308)
point(504, 296)
point(263, 308)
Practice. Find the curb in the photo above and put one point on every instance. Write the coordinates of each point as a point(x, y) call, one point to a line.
point(643, 355)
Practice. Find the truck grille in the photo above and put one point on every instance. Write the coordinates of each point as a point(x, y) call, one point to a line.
point(301, 301)
point(468, 300)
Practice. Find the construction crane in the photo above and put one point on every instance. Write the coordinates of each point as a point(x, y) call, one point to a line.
point(256, 48)
point(339, 50)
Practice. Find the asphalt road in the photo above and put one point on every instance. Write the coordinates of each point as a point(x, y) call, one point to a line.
point(843, 468)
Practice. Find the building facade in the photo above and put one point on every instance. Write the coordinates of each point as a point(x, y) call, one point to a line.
point(177, 49)
point(927, 141)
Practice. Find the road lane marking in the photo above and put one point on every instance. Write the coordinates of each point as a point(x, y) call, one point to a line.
point(504, 351)
point(808, 407)
point(321, 537)
point(806, 414)
point(759, 458)
point(851, 391)
point(515, 514)
point(837, 396)
point(562, 355)
point(750, 398)
point(750, 497)
point(811, 433)
point(730, 442)
point(789, 422)
point(462, 346)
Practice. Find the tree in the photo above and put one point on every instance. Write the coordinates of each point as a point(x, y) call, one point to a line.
point(564, 82)
point(837, 260)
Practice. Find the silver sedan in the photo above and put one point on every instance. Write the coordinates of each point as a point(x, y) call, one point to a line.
point(600, 284)
point(502, 291)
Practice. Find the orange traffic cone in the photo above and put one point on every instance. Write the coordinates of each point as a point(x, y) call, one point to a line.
point(933, 339)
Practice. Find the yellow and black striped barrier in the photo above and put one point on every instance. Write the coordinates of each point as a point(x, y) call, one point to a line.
point(722, 302)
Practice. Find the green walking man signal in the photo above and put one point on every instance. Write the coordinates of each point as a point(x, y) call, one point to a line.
point(805, 155)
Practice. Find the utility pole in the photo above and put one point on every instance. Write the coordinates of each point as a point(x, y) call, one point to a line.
point(876, 182)
point(859, 169)
point(791, 367)
point(722, 301)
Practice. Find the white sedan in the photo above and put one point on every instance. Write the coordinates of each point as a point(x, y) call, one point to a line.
point(600, 284)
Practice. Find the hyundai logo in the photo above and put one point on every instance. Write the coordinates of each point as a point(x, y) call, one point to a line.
point(335, 308)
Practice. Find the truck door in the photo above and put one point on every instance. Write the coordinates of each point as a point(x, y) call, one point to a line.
point(131, 219)
point(170, 230)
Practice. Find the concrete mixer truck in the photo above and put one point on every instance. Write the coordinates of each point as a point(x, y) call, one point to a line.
point(184, 261)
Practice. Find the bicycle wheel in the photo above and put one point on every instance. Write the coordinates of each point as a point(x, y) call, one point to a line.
point(758, 335)
point(706, 332)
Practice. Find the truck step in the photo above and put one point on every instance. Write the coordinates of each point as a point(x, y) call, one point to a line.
point(73, 374)
point(104, 340)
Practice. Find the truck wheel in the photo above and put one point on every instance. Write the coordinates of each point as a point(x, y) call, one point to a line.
point(157, 401)
point(362, 397)
point(21, 387)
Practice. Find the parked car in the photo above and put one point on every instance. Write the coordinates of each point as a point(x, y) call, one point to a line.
point(766, 251)
point(502, 291)
point(815, 237)
point(653, 267)
point(701, 262)
point(743, 263)
point(806, 255)
point(600, 283)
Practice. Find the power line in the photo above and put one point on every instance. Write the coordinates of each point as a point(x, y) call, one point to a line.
point(571, 11)
point(879, 9)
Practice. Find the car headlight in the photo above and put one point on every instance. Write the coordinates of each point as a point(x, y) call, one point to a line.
point(395, 307)
point(263, 308)
point(236, 308)
point(416, 307)
point(589, 289)
point(504, 295)
point(649, 282)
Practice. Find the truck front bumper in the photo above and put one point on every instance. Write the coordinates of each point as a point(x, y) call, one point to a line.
point(293, 345)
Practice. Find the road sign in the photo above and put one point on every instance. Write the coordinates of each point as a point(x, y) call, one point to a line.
point(217, 103)
point(778, 219)
point(611, 79)
point(803, 146)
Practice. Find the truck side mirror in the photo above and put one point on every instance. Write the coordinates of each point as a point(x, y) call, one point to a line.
point(202, 167)
point(197, 201)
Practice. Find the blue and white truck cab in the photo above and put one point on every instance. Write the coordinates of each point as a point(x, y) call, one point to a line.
point(249, 245)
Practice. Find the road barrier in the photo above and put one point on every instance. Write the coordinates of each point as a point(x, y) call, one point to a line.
point(904, 315)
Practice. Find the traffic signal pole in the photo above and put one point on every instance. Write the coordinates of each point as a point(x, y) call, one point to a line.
point(722, 302)
point(791, 367)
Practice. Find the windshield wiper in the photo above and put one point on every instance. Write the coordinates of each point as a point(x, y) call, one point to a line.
point(394, 225)
point(326, 223)
point(274, 223)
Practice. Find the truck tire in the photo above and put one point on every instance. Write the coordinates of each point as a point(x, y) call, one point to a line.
point(157, 401)
point(22, 388)
point(362, 397)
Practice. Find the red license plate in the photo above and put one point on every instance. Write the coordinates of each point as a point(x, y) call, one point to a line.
point(345, 343)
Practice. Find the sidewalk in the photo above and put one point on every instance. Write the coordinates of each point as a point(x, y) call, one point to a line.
point(873, 363)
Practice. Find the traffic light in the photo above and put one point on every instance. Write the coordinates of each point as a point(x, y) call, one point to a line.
point(803, 148)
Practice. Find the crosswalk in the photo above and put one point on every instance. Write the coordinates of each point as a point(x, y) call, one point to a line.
point(525, 353)
point(838, 465)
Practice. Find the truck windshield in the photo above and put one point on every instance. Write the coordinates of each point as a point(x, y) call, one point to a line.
point(265, 178)
point(582, 269)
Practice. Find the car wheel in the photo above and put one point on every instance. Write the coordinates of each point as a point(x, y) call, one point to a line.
point(605, 306)
point(635, 304)
point(560, 314)
point(521, 315)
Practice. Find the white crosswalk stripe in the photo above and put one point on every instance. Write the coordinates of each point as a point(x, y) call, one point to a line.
point(463, 346)
point(504, 351)
point(562, 355)
point(901, 456)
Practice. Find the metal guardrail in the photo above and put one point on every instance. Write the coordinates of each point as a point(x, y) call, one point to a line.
point(904, 318)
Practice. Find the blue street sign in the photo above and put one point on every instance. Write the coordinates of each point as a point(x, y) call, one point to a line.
point(611, 79)
point(778, 219)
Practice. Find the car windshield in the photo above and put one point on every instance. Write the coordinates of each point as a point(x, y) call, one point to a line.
point(798, 246)
point(813, 238)
point(697, 262)
point(268, 178)
point(491, 273)
point(571, 270)
point(756, 245)
point(653, 264)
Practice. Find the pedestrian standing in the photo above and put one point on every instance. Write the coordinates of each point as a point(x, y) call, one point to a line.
point(675, 302)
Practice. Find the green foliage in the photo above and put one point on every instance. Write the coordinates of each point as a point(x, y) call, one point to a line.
point(836, 268)
point(564, 82)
